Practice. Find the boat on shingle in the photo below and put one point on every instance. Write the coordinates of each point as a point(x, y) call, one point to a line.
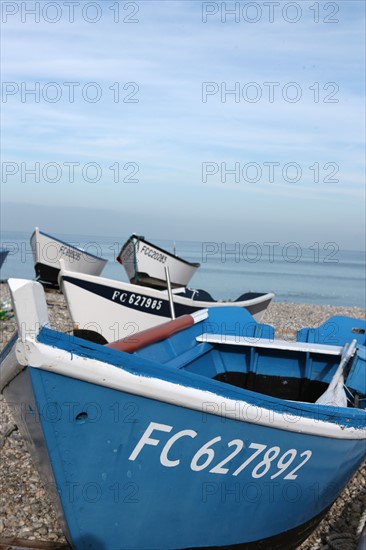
point(109, 309)
point(145, 264)
point(48, 251)
point(204, 432)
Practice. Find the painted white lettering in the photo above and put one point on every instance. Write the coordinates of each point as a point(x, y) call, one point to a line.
point(165, 461)
point(146, 440)
point(257, 459)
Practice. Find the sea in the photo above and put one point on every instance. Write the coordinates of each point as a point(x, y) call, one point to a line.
point(319, 274)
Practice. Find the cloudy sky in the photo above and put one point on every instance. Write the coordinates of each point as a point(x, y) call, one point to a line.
point(185, 119)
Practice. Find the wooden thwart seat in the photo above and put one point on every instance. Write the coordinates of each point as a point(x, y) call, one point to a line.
point(270, 344)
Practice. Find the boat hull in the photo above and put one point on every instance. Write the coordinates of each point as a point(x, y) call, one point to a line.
point(47, 274)
point(123, 466)
point(20, 398)
point(157, 449)
point(116, 309)
point(145, 264)
point(48, 251)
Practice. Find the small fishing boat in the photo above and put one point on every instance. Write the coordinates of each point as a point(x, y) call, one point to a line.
point(205, 432)
point(3, 255)
point(47, 252)
point(108, 310)
point(144, 263)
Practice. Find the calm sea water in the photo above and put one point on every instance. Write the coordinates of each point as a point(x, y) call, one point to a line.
point(318, 274)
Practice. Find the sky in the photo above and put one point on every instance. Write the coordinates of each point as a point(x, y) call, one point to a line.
point(185, 120)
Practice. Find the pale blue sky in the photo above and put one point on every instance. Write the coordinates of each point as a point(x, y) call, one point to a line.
point(170, 132)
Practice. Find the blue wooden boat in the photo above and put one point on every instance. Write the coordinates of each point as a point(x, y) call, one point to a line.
point(204, 432)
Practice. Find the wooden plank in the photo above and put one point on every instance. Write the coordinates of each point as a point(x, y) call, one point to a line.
point(22, 544)
point(304, 347)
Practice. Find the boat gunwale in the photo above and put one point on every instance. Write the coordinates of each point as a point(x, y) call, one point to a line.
point(147, 378)
point(67, 244)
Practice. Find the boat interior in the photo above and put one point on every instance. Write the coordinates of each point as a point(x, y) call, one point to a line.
point(247, 355)
point(226, 345)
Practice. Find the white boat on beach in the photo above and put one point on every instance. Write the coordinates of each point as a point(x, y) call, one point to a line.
point(48, 251)
point(115, 309)
point(144, 263)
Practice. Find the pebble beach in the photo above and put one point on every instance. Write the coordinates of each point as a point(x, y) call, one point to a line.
point(27, 513)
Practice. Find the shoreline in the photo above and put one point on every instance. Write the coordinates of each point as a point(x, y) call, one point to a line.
point(27, 509)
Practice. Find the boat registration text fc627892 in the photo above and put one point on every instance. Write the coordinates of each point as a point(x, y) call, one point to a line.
point(256, 458)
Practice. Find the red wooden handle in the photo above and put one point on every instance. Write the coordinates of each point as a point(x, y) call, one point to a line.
point(152, 335)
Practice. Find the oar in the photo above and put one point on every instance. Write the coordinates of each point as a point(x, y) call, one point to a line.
point(335, 394)
point(161, 332)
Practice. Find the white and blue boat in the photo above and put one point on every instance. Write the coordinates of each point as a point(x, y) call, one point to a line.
point(205, 432)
